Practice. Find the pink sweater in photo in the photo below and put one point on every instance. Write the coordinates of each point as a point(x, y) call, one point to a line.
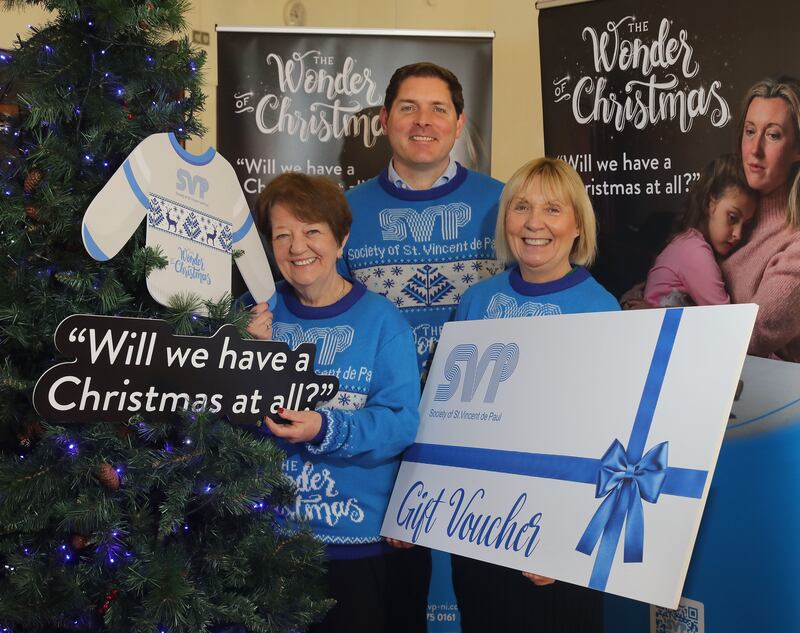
point(766, 271)
point(685, 273)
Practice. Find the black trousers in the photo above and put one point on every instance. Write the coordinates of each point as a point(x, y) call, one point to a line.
point(409, 580)
point(359, 588)
point(494, 598)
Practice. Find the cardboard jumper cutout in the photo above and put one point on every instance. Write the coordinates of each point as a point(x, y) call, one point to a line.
point(196, 213)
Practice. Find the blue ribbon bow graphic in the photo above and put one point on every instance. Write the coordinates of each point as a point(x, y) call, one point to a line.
point(623, 483)
point(623, 476)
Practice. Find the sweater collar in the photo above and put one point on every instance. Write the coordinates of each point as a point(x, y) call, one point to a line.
point(423, 194)
point(773, 206)
point(194, 159)
point(570, 280)
point(447, 175)
point(322, 312)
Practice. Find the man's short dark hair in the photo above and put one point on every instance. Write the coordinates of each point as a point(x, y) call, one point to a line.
point(424, 69)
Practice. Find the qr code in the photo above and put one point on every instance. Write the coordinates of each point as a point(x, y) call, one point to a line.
point(687, 618)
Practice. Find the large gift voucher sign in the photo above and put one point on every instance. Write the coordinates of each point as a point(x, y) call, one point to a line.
point(579, 447)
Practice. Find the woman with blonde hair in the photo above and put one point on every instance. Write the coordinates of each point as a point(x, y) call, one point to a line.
point(546, 230)
point(766, 270)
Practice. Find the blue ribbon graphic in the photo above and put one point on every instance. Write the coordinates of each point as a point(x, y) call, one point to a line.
point(623, 484)
point(623, 476)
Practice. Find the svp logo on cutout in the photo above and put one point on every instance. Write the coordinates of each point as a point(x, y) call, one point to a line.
point(197, 185)
point(465, 367)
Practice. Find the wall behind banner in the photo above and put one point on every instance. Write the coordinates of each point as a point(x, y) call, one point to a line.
point(517, 111)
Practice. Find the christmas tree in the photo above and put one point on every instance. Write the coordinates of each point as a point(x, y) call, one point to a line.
point(145, 525)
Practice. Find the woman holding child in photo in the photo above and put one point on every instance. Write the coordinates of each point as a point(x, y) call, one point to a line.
point(711, 226)
point(765, 267)
point(766, 270)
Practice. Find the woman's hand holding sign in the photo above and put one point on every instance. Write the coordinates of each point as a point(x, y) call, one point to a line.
point(303, 426)
point(260, 325)
point(536, 579)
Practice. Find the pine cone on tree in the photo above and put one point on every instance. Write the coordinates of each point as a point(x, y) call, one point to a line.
point(31, 212)
point(30, 432)
point(79, 541)
point(108, 476)
point(32, 180)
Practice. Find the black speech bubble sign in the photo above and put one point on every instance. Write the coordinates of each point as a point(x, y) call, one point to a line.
point(127, 366)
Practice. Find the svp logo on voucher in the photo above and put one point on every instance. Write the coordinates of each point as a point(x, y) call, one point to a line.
point(465, 367)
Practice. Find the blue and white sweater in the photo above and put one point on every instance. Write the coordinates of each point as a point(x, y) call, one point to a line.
point(508, 295)
point(423, 249)
point(345, 477)
point(196, 214)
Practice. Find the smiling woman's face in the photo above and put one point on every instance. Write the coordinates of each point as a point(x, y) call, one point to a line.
point(769, 144)
point(540, 231)
point(304, 251)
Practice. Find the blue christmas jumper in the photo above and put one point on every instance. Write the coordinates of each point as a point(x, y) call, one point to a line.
point(508, 295)
point(561, 607)
point(345, 475)
point(423, 248)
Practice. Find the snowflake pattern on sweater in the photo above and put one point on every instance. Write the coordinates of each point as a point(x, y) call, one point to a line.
point(344, 481)
point(423, 249)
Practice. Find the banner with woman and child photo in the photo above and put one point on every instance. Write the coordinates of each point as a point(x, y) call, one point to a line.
point(655, 105)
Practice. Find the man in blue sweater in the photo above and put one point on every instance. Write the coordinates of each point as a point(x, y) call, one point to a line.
point(422, 233)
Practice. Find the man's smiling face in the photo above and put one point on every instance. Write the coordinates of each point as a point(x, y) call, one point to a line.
point(422, 125)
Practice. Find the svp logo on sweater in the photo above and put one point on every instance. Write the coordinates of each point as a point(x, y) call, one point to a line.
point(329, 340)
point(396, 224)
point(502, 306)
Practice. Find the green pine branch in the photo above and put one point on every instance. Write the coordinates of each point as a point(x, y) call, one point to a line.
point(190, 538)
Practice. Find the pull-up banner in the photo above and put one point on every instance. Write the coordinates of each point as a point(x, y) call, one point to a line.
point(309, 100)
point(638, 97)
